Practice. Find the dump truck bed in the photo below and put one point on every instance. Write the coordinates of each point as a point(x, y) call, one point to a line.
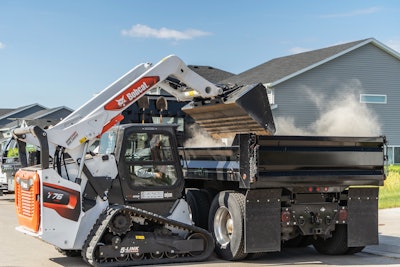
point(287, 161)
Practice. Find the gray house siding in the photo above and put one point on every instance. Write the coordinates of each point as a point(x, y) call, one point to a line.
point(367, 68)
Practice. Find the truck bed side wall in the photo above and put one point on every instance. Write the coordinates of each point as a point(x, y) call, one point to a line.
point(312, 161)
point(287, 161)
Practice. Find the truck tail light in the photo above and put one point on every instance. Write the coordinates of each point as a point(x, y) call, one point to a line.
point(342, 215)
point(285, 216)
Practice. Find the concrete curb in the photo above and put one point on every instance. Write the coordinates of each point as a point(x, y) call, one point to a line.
point(389, 234)
point(388, 246)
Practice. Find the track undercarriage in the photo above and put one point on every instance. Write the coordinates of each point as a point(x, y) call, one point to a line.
point(126, 236)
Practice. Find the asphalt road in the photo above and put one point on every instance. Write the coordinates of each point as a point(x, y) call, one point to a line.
point(19, 250)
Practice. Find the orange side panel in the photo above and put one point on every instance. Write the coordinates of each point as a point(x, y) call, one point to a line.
point(27, 201)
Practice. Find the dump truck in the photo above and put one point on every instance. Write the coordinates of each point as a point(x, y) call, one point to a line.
point(268, 192)
point(139, 198)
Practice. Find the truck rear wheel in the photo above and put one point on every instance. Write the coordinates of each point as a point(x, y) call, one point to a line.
point(226, 222)
point(337, 244)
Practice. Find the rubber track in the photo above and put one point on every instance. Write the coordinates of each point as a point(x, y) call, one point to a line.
point(102, 225)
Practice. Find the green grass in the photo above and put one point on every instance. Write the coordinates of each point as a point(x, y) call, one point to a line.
point(389, 194)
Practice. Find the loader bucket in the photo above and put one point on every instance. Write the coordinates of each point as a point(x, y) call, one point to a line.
point(245, 110)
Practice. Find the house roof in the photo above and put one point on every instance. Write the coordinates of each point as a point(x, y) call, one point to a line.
point(5, 117)
point(41, 116)
point(281, 69)
point(13, 111)
point(211, 74)
point(4, 111)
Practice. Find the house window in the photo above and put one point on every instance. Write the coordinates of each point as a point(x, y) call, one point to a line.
point(373, 99)
point(393, 153)
point(396, 155)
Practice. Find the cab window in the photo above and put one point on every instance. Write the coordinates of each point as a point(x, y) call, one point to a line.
point(149, 160)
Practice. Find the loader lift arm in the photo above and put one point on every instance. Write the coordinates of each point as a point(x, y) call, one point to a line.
point(104, 110)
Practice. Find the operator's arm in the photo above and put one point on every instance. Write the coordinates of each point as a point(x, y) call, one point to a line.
point(146, 173)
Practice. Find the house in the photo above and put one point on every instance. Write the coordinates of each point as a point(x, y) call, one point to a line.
point(346, 89)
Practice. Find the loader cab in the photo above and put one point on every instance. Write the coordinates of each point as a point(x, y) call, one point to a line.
point(148, 161)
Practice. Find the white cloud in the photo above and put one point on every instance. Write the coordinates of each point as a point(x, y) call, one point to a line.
point(358, 12)
point(2, 45)
point(145, 31)
point(394, 44)
point(297, 50)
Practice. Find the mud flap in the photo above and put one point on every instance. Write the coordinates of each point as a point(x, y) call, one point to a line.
point(362, 224)
point(262, 221)
point(245, 110)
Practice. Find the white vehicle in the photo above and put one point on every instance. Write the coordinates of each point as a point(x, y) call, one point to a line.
point(9, 165)
point(3, 182)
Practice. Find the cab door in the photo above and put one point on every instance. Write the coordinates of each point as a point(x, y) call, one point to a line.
point(149, 165)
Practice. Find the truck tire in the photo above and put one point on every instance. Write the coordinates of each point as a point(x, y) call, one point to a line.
point(336, 245)
point(226, 224)
point(199, 206)
point(210, 193)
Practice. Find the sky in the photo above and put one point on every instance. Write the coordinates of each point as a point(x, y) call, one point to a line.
point(61, 53)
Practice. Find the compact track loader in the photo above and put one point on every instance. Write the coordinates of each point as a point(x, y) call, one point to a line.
point(111, 207)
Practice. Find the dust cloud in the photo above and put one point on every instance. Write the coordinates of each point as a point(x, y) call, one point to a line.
point(340, 115)
point(200, 138)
